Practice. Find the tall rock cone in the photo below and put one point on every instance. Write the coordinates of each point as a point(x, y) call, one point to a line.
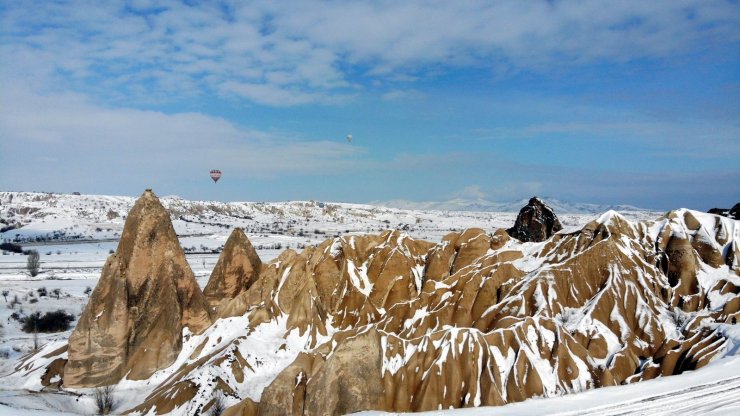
point(535, 222)
point(147, 293)
point(237, 269)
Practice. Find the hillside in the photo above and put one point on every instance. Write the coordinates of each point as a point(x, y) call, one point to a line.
point(74, 233)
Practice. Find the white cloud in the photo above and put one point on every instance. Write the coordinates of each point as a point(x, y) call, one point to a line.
point(294, 52)
point(688, 138)
point(274, 95)
point(471, 191)
point(398, 95)
point(71, 138)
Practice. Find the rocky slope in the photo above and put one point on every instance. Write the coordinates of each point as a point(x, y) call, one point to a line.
point(389, 322)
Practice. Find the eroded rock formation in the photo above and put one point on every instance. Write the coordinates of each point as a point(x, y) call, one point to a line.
point(388, 322)
point(132, 325)
point(238, 267)
point(535, 222)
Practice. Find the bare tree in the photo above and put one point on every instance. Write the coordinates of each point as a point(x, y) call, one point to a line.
point(33, 263)
point(35, 336)
point(219, 404)
point(104, 400)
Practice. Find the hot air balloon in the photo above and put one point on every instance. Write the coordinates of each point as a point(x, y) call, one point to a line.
point(215, 175)
point(349, 138)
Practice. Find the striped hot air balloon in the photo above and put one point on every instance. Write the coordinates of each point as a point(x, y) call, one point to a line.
point(215, 175)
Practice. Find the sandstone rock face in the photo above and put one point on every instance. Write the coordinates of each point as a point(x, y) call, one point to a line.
point(345, 384)
point(238, 267)
point(146, 295)
point(246, 407)
point(535, 222)
point(585, 310)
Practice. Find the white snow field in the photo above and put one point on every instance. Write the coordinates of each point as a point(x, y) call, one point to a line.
point(74, 235)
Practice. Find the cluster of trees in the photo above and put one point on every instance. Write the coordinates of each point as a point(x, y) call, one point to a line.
point(56, 321)
point(11, 247)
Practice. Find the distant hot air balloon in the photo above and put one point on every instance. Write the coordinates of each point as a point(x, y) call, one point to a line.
point(349, 138)
point(215, 175)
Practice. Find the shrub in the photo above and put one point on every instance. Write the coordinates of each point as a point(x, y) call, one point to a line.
point(56, 321)
point(104, 400)
point(33, 263)
point(42, 291)
point(218, 406)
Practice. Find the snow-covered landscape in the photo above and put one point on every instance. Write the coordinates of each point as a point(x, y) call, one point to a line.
point(324, 208)
point(74, 235)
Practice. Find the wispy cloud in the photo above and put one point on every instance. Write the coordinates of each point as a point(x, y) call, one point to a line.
point(71, 138)
point(298, 52)
point(471, 191)
point(396, 95)
point(687, 138)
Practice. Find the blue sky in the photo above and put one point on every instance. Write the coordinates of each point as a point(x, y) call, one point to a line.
point(626, 102)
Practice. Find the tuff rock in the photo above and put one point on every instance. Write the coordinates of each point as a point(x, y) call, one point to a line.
point(132, 324)
point(535, 222)
point(733, 212)
point(389, 322)
point(238, 267)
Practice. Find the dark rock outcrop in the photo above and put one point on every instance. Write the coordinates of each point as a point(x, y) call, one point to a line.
point(733, 212)
point(535, 222)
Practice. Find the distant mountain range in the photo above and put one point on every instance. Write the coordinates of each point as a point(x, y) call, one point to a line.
point(462, 204)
